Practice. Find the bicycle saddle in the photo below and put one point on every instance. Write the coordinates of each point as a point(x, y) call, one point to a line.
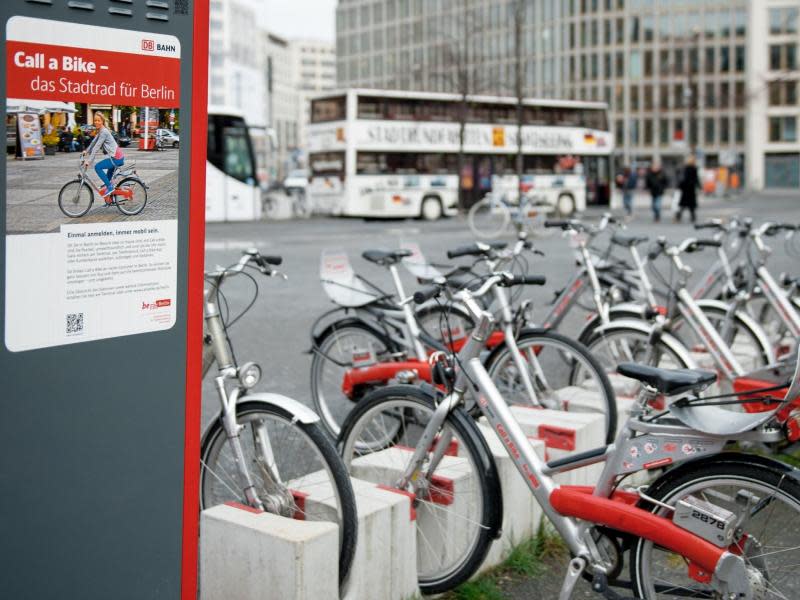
point(628, 240)
point(385, 258)
point(668, 381)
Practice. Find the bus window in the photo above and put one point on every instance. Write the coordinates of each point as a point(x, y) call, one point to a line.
point(400, 110)
point(327, 163)
point(229, 148)
point(328, 109)
point(370, 108)
point(238, 157)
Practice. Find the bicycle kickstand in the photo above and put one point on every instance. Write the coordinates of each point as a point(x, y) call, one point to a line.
point(576, 567)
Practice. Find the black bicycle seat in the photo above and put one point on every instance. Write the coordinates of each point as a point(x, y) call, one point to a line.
point(668, 381)
point(385, 258)
point(628, 240)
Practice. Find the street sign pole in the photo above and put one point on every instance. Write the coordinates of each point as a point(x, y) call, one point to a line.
point(101, 303)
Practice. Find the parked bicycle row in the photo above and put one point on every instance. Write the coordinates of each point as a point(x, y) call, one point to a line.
point(684, 376)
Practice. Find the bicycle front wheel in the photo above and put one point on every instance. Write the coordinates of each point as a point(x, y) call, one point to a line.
point(768, 539)
point(294, 468)
point(131, 196)
point(75, 198)
point(488, 218)
point(563, 373)
point(457, 496)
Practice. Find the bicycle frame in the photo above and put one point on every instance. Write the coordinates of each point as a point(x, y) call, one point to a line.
point(564, 506)
point(84, 177)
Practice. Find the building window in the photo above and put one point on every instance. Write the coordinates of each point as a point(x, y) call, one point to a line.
point(740, 60)
point(648, 63)
point(635, 65)
point(740, 96)
point(678, 60)
point(725, 59)
point(663, 100)
point(710, 56)
point(709, 133)
point(724, 94)
point(783, 20)
point(648, 132)
point(724, 130)
point(739, 129)
point(648, 97)
point(663, 132)
point(783, 129)
point(634, 97)
point(634, 132)
point(710, 99)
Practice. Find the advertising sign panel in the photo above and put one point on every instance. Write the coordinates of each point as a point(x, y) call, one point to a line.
point(101, 287)
point(29, 134)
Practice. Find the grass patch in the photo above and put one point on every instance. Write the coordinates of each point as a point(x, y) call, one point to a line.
point(526, 560)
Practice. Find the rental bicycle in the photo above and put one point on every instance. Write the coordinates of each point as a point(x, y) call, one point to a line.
point(129, 193)
point(714, 525)
point(265, 450)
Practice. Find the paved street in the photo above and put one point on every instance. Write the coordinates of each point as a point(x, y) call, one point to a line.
point(275, 333)
point(33, 187)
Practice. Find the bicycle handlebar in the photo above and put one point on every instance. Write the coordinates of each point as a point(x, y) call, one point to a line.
point(476, 249)
point(525, 280)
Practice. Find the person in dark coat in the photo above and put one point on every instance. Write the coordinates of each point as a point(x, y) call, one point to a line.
point(656, 182)
point(690, 183)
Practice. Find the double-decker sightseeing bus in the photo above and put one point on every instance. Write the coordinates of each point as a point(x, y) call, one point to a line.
point(376, 153)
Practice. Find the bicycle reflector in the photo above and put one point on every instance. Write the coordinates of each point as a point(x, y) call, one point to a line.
point(249, 375)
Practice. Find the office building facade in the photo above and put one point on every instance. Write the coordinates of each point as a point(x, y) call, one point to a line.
point(678, 75)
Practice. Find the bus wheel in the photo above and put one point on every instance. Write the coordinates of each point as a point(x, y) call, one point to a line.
point(565, 205)
point(431, 208)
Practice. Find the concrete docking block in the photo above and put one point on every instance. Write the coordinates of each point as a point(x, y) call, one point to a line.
point(565, 433)
point(246, 554)
point(521, 513)
point(441, 516)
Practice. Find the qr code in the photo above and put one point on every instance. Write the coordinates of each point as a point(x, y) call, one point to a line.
point(181, 7)
point(74, 323)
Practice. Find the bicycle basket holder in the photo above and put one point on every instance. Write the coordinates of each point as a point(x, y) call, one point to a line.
point(340, 282)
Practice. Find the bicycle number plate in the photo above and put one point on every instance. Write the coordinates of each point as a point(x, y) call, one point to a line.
point(363, 357)
point(708, 521)
point(532, 213)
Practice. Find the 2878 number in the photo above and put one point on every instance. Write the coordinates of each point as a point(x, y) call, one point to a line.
point(696, 514)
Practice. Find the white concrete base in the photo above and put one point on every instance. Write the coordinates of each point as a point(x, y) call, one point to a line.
point(447, 510)
point(564, 433)
point(385, 565)
point(251, 555)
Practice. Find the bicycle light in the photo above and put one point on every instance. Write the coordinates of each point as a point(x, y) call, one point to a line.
point(249, 375)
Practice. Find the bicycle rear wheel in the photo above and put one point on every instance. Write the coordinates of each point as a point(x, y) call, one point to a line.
point(294, 467)
point(131, 196)
point(458, 501)
point(75, 198)
point(769, 540)
point(564, 375)
point(489, 218)
point(339, 348)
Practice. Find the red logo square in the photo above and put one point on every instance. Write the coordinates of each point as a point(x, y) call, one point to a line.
point(148, 45)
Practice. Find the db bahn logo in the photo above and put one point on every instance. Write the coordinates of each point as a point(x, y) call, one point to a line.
point(148, 45)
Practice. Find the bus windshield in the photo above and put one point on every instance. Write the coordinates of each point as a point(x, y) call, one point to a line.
point(229, 147)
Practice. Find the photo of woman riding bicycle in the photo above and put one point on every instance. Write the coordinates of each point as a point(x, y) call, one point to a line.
point(117, 177)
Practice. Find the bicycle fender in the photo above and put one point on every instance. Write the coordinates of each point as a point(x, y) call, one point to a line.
point(299, 411)
point(748, 321)
point(626, 310)
point(316, 339)
point(669, 340)
point(755, 460)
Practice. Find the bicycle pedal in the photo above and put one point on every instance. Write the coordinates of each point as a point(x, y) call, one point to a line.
point(600, 585)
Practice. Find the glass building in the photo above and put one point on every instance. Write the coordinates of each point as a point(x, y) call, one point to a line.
point(676, 74)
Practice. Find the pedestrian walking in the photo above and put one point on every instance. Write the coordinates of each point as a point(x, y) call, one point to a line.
point(657, 183)
point(689, 184)
point(627, 181)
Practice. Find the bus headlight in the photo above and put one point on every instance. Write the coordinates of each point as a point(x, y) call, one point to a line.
point(249, 375)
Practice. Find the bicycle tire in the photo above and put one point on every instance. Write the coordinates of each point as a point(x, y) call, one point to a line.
point(743, 339)
point(139, 192)
point(579, 356)
point(735, 471)
point(316, 437)
point(472, 450)
point(330, 402)
point(64, 198)
point(488, 218)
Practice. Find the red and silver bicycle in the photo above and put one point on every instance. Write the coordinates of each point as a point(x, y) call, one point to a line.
point(716, 524)
point(129, 193)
